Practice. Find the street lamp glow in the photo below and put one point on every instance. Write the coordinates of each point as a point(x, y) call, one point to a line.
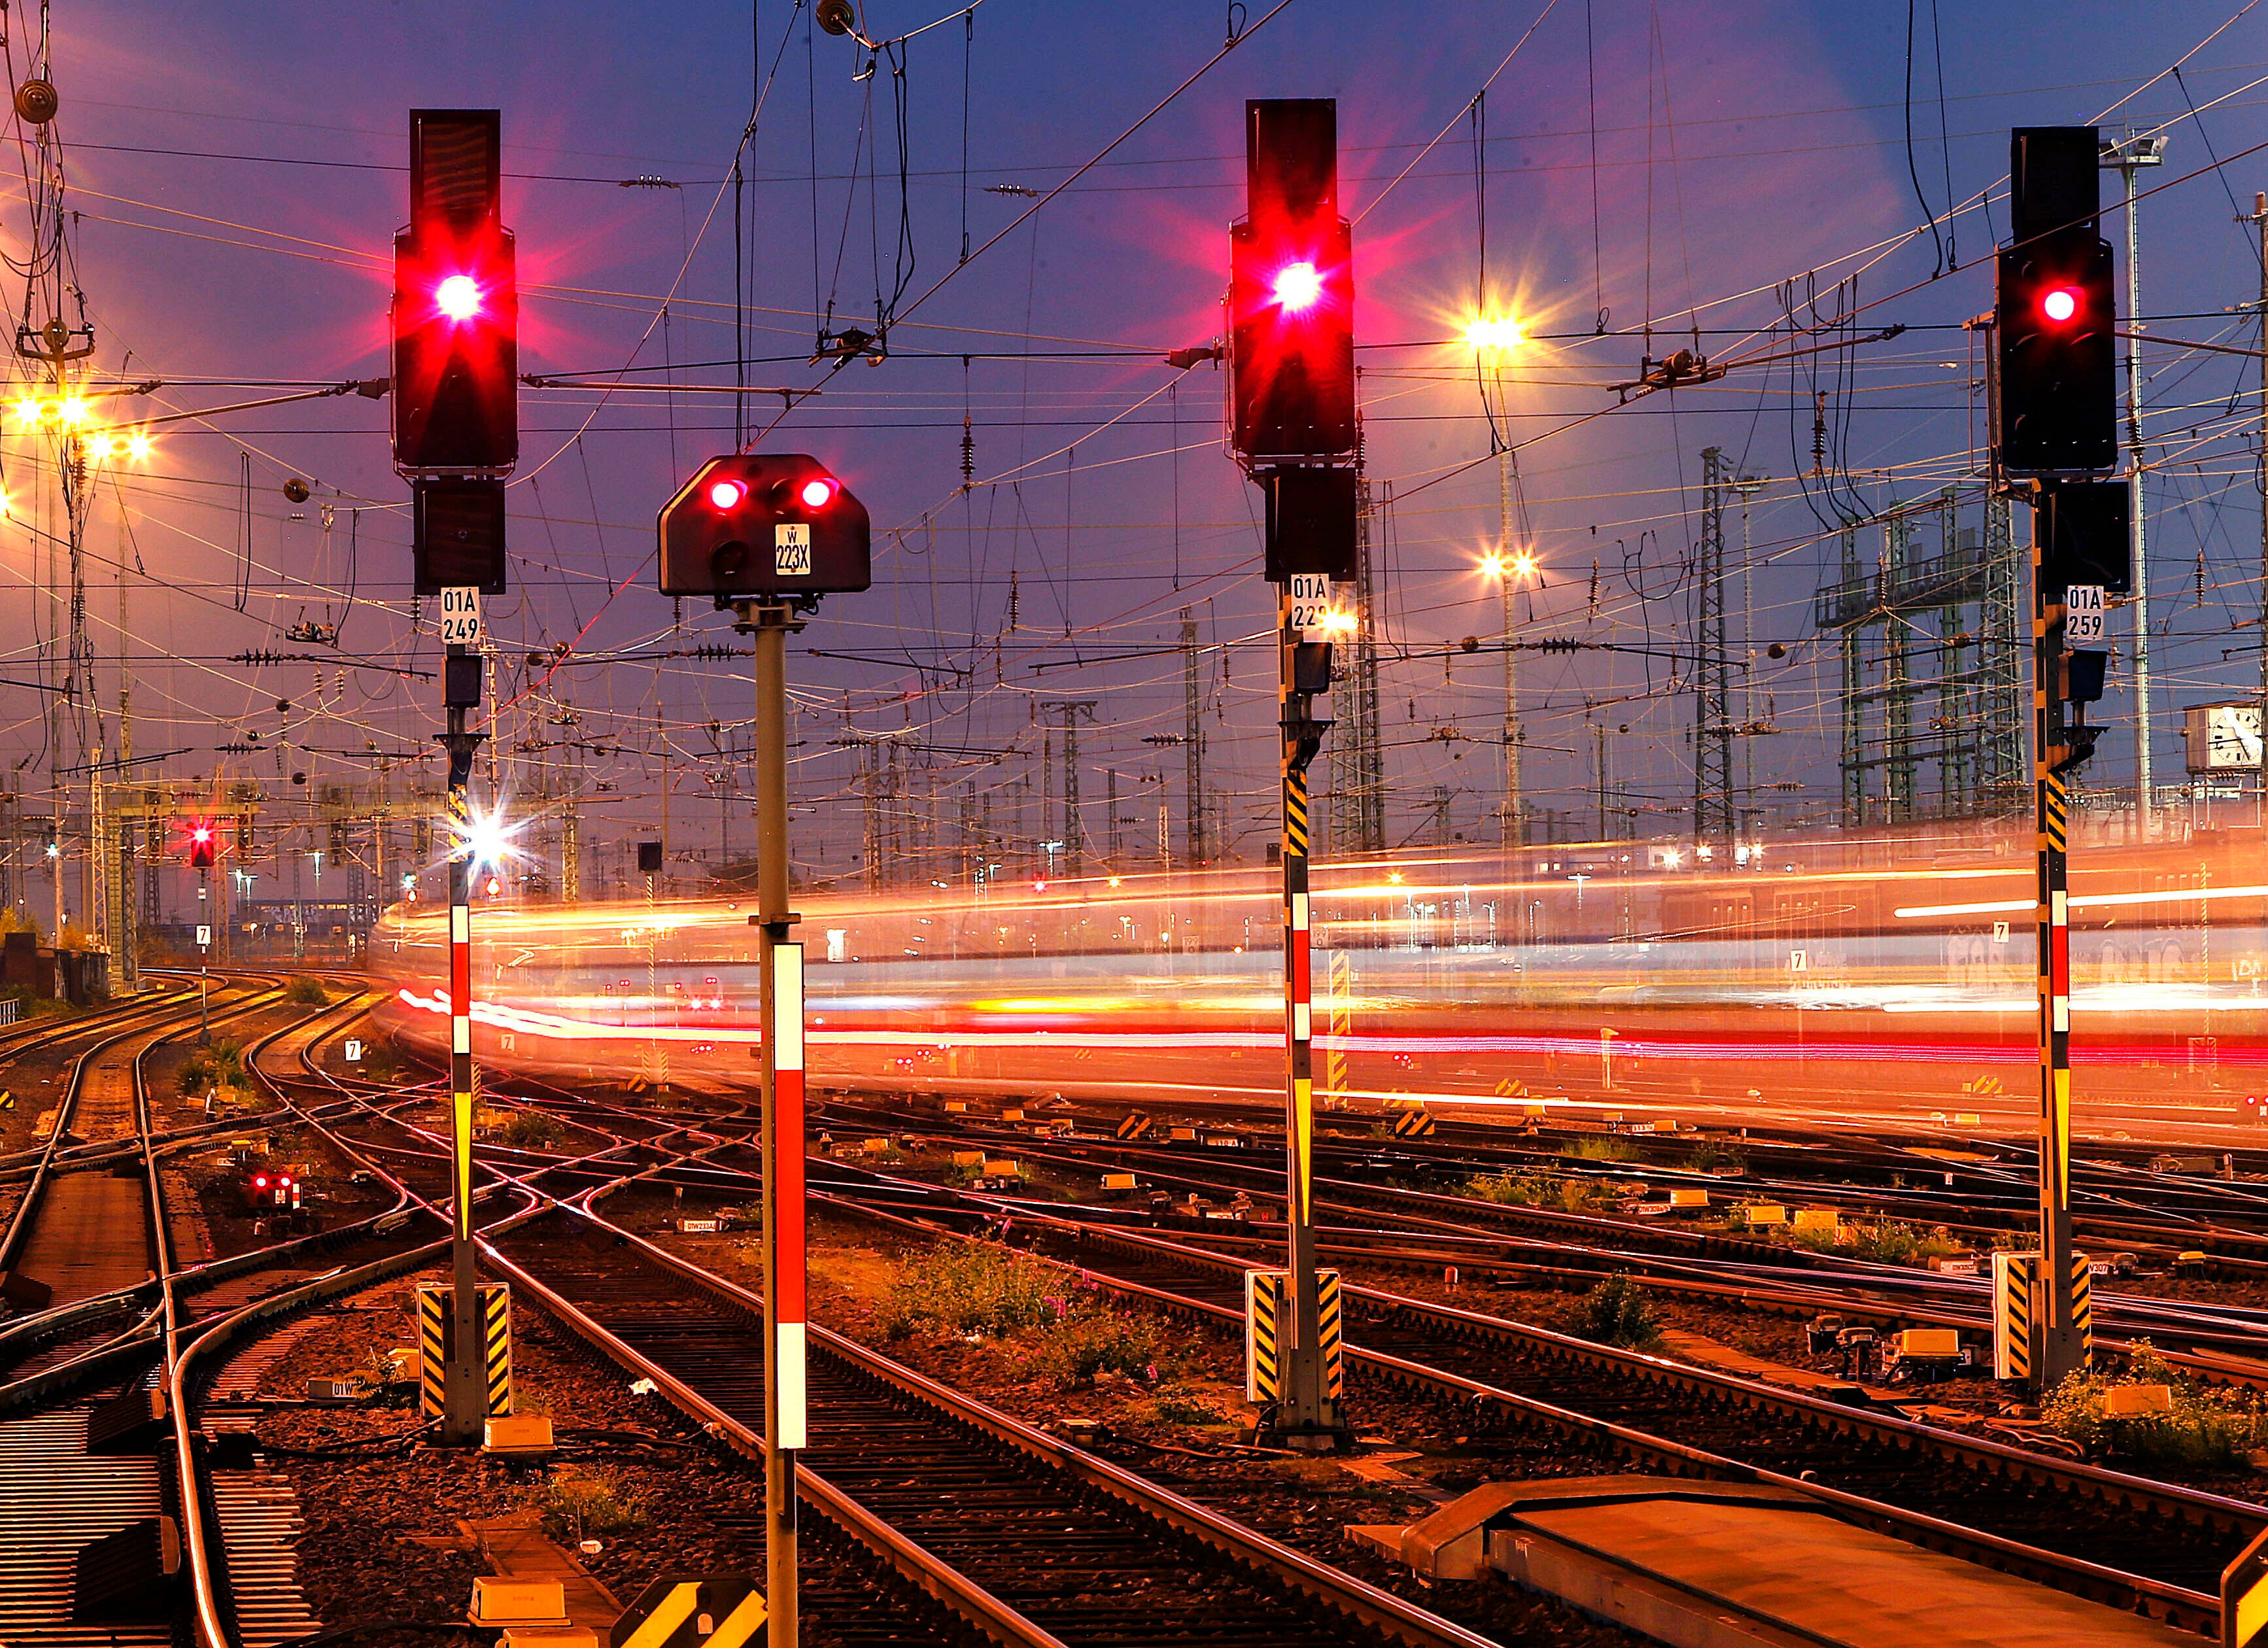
point(1494, 332)
point(137, 445)
point(1339, 622)
point(28, 411)
point(71, 413)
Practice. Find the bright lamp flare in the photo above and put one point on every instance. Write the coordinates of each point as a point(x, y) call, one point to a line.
point(28, 411)
point(459, 297)
point(1492, 566)
point(2060, 304)
point(727, 493)
point(488, 840)
point(138, 446)
point(71, 412)
point(1298, 286)
point(1523, 565)
point(817, 493)
point(1495, 332)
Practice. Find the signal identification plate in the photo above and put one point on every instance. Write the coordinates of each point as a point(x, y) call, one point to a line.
point(2082, 605)
point(792, 549)
point(460, 615)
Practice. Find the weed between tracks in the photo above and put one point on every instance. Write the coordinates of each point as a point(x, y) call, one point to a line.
point(306, 992)
point(1536, 1189)
point(2208, 1428)
point(992, 1294)
point(1619, 1312)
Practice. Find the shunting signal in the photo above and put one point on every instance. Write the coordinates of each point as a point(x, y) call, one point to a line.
point(1133, 1125)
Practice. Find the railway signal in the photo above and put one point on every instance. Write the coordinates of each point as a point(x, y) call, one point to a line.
point(1292, 423)
point(2057, 354)
point(756, 525)
point(456, 434)
point(2054, 425)
point(767, 534)
point(456, 303)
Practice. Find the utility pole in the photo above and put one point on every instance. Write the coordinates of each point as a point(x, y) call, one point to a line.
point(1511, 822)
point(1193, 806)
point(2259, 221)
point(1074, 831)
point(1713, 691)
point(1748, 486)
point(2127, 157)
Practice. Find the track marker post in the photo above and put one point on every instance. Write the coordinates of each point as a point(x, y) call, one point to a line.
point(766, 536)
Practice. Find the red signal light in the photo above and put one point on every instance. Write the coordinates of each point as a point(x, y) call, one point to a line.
point(1298, 286)
point(818, 492)
point(495, 885)
point(459, 297)
point(727, 493)
point(259, 1183)
point(2060, 304)
point(201, 834)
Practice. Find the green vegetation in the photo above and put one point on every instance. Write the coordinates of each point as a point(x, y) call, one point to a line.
point(1178, 1404)
point(219, 1065)
point(1715, 1156)
point(2209, 1428)
point(590, 1502)
point(379, 1062)
point(1605, 1147)
point(1886, 1242)
point(14, 919)
point(1619, 1312)
point(970, 1288)
point(531, 1130)
point(1076, 1350)
point(303, 991)
point(981, 1291)
point(1535, 1189)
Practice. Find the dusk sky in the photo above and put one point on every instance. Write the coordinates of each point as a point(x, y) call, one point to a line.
point(233, 176)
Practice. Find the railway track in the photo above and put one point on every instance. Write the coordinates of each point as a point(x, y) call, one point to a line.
point(1047, 1544)
point(1939, 1488)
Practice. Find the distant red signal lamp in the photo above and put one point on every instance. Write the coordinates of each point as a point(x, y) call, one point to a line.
point(2060, 304)
point(818, 492)
point(727, 493)
point(459, 297)
point(1298, 286)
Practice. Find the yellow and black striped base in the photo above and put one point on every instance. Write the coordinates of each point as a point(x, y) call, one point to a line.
point(1134, 1125)
point(1413, 1124)
point(437, 1337)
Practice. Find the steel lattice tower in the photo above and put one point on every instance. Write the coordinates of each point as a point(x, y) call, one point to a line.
point(1357, 757)
point(1712, 675)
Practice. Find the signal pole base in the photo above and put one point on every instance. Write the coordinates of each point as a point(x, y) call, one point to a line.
point(1279, 1432)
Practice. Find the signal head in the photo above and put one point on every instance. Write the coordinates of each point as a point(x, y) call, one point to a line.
point(2060, 304)
point(751, 523)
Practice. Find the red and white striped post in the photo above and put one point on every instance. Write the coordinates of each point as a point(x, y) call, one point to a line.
point(781, 963)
